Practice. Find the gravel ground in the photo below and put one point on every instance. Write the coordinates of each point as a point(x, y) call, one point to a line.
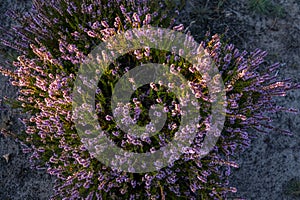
point(266, 168)
point(17, 180)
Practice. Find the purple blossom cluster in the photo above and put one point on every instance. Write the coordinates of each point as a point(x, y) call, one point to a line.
point(250, 92)
point(56, 36)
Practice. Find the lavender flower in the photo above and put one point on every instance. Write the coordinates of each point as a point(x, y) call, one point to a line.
point(57, 36)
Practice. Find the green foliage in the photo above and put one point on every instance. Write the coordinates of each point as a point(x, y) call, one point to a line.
point(292, 187)
point(267, 7)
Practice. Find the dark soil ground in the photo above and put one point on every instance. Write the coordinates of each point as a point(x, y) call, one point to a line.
point(268, 169)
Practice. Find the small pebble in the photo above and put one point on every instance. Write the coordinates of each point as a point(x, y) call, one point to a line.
point(6, 157)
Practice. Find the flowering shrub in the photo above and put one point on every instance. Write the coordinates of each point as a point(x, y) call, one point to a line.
point(56, 37)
